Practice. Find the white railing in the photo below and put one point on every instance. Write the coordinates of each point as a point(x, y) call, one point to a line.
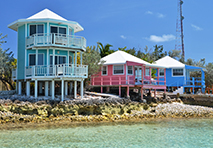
point(55, 39)
point(68, 70)
point(14, 74)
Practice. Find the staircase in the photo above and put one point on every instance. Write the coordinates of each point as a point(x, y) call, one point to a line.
point(179, 90)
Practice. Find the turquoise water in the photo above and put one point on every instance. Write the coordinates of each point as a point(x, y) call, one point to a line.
point(171, 133)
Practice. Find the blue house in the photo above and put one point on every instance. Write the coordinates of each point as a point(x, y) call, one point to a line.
point(47, 55)
point(180, 76)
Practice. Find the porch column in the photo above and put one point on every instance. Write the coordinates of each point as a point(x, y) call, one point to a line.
point(62, 90)
point(19, 88)
point(158, 76)
point(28, 88)
point(142, 74)
point(81, 57)
point(46, 88)
point(75, 89)
point(66, 88)
point(82, 89)
point(75, 57)
point(164, 76)
point(53, 89)
point(36, 88)
point(150, 74)
point(71, 86)
point(40, 87)
point(119, 90)
point(138, 74)
point(36, 56)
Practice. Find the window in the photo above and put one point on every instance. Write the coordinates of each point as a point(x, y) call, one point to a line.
point(178, 72)
point(130, 70)
point(58, 60)
point(104, 70)
point(40, 59)
point(59, 30)
point(36, 29)
point(161, 72)
point(32, 59)
point(118, 69)
point(147, 71)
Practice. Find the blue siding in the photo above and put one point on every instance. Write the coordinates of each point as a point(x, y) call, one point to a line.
point(21, 53)
point(173, 81)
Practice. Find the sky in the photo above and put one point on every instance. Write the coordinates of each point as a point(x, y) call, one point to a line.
point(135, 23)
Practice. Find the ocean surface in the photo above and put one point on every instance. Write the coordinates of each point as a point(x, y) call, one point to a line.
point(190, 133)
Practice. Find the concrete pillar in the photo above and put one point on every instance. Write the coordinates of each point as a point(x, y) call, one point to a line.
point(40, 87)
point(62, 90)
point(28, 88)
point(50, 88)
point(19, 88)
point(71, 87)
point(82, 89)
point(75, 89)
point(36, 88)
point(53, 89)
point(66, 88)
point(46, 88)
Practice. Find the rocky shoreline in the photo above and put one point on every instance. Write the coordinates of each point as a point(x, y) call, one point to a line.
point(95, 109)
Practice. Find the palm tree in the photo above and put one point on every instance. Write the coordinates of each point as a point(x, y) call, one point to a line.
point(104, 50)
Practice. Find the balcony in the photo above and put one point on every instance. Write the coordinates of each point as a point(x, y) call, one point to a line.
point(55, 71)
point(55, 39)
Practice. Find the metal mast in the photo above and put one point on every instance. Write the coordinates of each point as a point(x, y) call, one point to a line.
point(179, 30)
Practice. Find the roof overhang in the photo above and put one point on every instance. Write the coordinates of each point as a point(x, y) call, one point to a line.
point(14, 26)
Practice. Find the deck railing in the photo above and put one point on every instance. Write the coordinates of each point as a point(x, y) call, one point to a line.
point(55, 39)
point(123, 80)
point(68, 70)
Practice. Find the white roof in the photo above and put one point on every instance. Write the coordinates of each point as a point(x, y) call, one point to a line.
point(46, 14)
point(169, 62)
point(121, 57)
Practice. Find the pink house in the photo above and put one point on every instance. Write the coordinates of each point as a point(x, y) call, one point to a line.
point(121, 69)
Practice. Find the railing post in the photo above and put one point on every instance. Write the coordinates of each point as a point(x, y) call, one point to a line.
point(64, 69)
point(33, 71)
point(119, 80)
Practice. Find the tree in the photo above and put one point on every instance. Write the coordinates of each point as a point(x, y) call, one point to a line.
point(209, 74)
point(104, 50)
point(176, 54)
point(7, 63)
point(92, 58)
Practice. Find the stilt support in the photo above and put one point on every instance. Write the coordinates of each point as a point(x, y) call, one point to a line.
point(101, 89)
point(119, 90)
point(127, 92)
point(66, 88)
point(75, 89)
point(62, 90)
point(53, 89)
point(82, 89)
point(28, 88)
point(36, 88)
point(142, 93)
point(46, 88)
point(19, 88)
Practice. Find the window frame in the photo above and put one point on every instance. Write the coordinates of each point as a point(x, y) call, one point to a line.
point(118, 73)
point(160, 72)
point(145, 71)
point(58, 58)
point(177, 75)
point(106, 70)
point(58, 29)
point(36, 28)
point(128, 70)
point(35, 59)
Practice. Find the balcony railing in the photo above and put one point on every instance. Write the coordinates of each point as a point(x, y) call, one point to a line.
point(62, 70)
point(55, 39)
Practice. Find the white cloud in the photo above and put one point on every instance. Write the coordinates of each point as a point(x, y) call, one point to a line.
point(163, 38)
point(196, 27)
point(160, 15)
point(123, 37)
point(149, 12)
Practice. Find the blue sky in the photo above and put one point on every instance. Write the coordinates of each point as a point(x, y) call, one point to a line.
point(137, 23)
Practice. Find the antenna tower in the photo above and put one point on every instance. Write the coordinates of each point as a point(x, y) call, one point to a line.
point(179, 45)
